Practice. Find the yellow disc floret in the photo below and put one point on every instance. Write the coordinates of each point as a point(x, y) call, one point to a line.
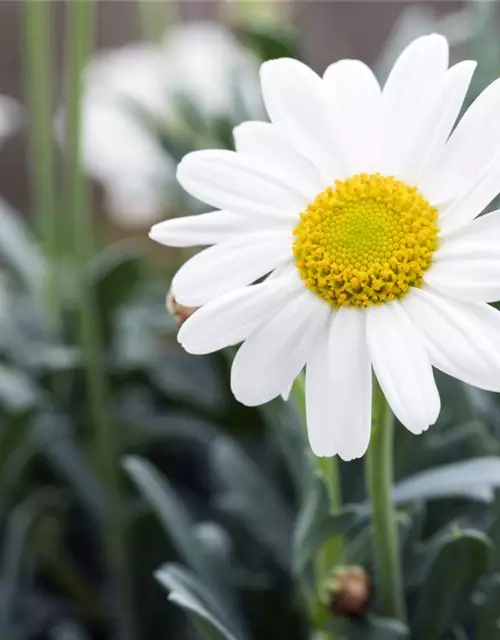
point(366, 240)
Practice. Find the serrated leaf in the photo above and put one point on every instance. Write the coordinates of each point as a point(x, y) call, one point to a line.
point(459, 561)
point(316, 524)
point(475, 479)
point(196, 600)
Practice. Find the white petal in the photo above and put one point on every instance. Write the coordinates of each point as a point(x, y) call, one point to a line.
point(230, 318)
point(402, 366)
point(486, 228)
point(209, 228)
point(262, 141)
point(470, 148)
point(413, 80)
point(462, 339)
point(473, 199)
point(300, 106)
point(357, 97)
point(272, 357)
point(230, 265)
point(233, 181)
point(467, 270)
point(320, 428)
point(349, 383)
point(439, 116)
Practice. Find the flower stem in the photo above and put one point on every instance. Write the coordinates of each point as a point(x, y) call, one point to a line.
point(331, 552)
point(80, 20)
point(37, 30)
point(379, 475)
point(38, 67)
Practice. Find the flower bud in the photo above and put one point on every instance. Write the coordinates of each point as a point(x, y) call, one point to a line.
point(179, 311)
point(348, 591)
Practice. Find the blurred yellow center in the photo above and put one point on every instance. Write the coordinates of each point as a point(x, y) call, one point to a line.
point(365, 241)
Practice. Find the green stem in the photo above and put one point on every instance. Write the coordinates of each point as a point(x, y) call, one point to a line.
point(38, 65)
point(332, 551)
point(38, 72)
point(80, 20)
point(379, 476)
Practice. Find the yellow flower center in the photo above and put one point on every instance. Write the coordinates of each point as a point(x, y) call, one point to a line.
point(365, 241)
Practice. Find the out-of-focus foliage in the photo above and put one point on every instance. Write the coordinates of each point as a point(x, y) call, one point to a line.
point(223, 512)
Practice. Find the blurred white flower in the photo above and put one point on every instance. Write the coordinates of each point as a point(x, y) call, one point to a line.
point(136, 93)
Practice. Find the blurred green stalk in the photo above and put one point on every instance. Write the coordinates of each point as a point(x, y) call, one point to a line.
point(155, 18)
point(379, 479)
point(38, 72)
point(38, 60)
point(79, 41)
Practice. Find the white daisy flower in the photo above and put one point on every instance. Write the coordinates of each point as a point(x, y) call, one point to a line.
point(359, 204)
point(134, 94)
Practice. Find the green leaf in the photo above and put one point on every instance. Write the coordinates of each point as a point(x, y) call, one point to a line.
point(457, 564)
point(494, 532)
point(269, 40)
point(373, 628)
point(55, 439)
point(316, 524)
point(475, 479)
point(21, 521)
point(18, 392)
point(196, 600)
point(286, 430)
point(47, 541)
point(488, 619)
point(250, 497)
point(170, 510)
point(67, 630)
point(19, 250)
point(180, 527)
point(115, 274)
